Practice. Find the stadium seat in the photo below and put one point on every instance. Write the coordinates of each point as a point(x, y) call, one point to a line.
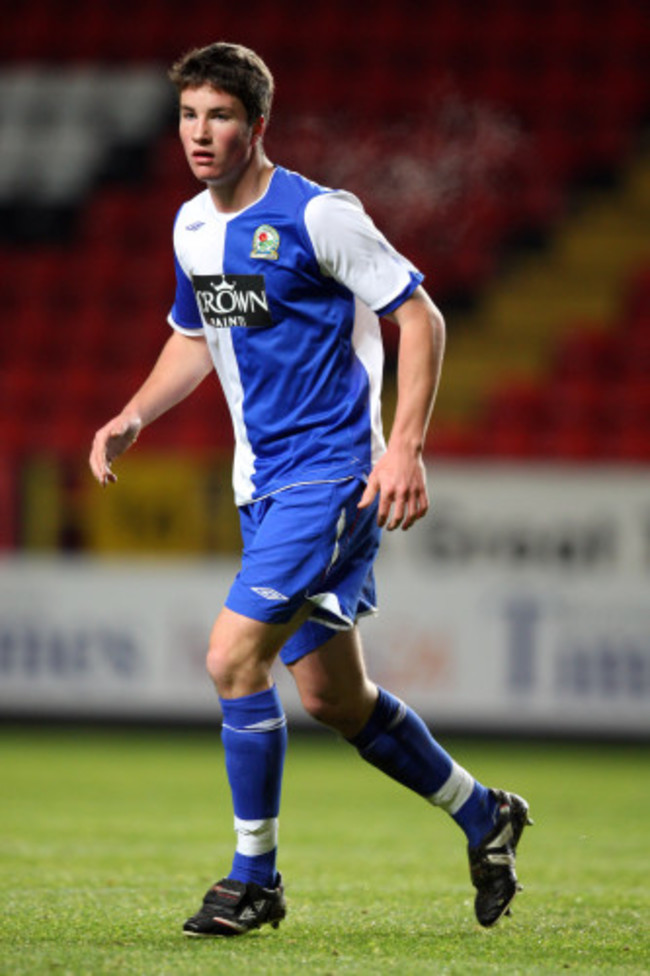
point(636, 299)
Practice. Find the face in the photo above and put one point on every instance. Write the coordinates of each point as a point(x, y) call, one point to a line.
point(216, 135)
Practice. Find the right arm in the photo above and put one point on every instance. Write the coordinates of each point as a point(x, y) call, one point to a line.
point(183, 363)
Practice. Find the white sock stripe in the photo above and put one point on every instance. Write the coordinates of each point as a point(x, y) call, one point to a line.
point(266, 725)
point(455, 791)
point(256, 837)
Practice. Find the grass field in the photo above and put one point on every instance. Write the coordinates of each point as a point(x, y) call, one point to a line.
point(108, 840)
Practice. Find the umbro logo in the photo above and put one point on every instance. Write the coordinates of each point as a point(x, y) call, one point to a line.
point(196, 225)
point(251, 914)
point(268, 593)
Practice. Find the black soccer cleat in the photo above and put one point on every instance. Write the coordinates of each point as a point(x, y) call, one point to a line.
point(492, 862)
point(234, 908)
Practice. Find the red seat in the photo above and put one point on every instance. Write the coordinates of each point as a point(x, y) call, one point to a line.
point(566, 440)
point(587, 352)
point(626, 431)
point(637, 296)
point(510, 441)
point(452, 440)
point(517, 401)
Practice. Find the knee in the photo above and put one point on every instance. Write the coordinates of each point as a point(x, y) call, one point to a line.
point(320, 708)
point(233, 673)
point(345, 716)
point(218, 665)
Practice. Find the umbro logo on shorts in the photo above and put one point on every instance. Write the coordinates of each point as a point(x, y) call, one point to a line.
point(268, 593)
point(232, 301)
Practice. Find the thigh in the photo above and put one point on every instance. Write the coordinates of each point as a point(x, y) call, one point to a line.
point(235, 633)
point(242, 651)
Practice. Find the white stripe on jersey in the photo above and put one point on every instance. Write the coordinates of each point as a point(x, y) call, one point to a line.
point(369, 349)
point(209, 259)
point(225, 362)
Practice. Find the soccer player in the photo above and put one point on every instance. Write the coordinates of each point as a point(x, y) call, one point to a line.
point(280, 283)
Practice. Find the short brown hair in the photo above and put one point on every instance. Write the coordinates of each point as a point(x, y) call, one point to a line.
point(232, 68)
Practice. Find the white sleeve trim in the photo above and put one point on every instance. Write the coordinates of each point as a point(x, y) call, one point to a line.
point(197, 333)
point(350, 249)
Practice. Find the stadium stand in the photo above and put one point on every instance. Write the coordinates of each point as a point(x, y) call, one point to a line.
point(469, 138)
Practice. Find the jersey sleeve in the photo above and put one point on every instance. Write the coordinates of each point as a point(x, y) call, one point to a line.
point(350, 249)
point(184, 315)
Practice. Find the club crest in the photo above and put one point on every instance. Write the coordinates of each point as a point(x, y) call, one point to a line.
point(266, 242)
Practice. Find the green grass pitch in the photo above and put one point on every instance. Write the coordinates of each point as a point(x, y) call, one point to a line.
point(108, 840)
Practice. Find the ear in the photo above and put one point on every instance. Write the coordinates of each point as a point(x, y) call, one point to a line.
point(258, 130)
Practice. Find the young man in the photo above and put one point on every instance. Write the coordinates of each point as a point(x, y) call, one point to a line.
point(280, 283)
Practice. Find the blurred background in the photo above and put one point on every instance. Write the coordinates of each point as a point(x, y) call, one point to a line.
point(504, 147)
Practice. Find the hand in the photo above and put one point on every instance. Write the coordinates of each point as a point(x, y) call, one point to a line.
point(400, 481)
point(109, 442)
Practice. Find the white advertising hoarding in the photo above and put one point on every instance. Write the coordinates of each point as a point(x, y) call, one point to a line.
point(522, 603)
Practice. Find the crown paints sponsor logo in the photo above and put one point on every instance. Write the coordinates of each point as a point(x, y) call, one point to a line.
point(232, 301)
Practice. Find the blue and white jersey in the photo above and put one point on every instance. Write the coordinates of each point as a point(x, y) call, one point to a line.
point(287, 294)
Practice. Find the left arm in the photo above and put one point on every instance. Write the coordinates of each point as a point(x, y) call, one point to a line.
point(399, 476)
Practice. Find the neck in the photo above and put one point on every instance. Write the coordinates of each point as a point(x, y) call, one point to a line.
point(246, 187)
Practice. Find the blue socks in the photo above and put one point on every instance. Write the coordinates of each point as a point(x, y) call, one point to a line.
point(397, 741)
point(254, 736)
point(394, 739)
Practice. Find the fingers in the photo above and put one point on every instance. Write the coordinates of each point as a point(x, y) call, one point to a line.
point(109, 442)
point(370, 493)
point(99, 463)
point(417, 508)
point(402, 508)
point(397, 507)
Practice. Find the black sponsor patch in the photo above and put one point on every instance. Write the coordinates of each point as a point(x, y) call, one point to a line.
point(232, 301)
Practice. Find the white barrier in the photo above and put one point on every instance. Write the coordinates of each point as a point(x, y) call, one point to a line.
point(522, 604)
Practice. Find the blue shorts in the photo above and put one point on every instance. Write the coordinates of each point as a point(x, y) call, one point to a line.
point(313, 543)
